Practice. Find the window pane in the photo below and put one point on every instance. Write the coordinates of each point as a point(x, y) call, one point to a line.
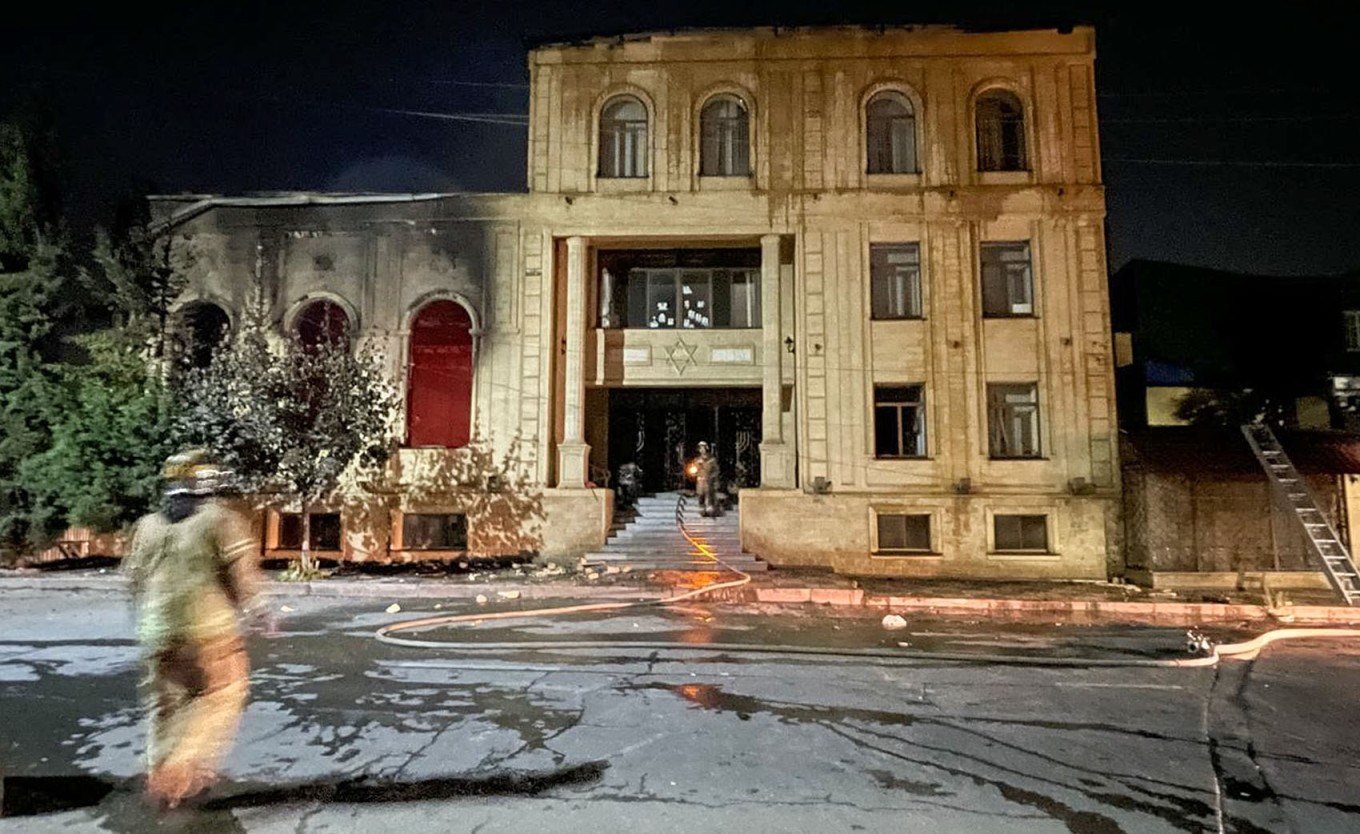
point(623, 138)
point(290, 531)
point(886, 432)
point(899, 421)
point(660, 299)
point(892, 532)
point(1007, 280)
point(904, 532)
point(1034, 532)
point(895, 280)
point(890, 135)
point(696, 296)
point(434, 531)
point(1013, 417)
point(1352, 323)
point(745, 296)
point(1000, 132)
point(325, 532)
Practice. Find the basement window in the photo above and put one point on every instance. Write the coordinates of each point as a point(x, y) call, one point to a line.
point(325, 532)
point(434, 531)
point(903, 533)
point(1020, 533)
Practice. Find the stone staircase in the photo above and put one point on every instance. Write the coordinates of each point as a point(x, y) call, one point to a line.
point(647, 539)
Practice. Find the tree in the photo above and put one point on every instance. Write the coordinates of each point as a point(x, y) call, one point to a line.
point(1228, 408)
point(289, 417)
point(35, 266)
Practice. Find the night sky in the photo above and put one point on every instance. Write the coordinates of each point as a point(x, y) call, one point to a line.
point(255, 96)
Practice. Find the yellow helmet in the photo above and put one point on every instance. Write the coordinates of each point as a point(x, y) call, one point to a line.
point(192, 471)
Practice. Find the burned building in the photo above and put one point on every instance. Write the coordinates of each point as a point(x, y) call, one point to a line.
point(866, 264)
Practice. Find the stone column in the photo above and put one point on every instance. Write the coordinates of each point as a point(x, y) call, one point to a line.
point(573, 453)
point(776, 458)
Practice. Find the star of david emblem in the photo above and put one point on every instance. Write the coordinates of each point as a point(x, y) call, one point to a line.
point(681, 355)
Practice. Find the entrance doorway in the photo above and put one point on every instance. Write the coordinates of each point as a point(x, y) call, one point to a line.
point(659, 429)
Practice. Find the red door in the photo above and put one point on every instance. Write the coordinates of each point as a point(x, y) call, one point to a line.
point(439, 397)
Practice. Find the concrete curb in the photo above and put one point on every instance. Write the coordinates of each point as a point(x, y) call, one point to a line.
point(1077, 610)
point(1085, 611)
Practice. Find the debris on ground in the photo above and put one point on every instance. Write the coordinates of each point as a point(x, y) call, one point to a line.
point(481, 599)
point(894, 622)
point(393, 608)
point(509, 594)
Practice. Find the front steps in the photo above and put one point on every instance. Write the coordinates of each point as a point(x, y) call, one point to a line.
point(647, 539)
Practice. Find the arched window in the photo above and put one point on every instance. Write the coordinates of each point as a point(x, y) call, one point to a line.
point(203, 326)
point(724, 138)
point(439, 379)
point(1000, 132)
point(623, 138)
point(322, 322)
point(890, 134)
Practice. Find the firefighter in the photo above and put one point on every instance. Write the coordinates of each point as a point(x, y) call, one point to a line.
point(706, 480)
point(194, 571)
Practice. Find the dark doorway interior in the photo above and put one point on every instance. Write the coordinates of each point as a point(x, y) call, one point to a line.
point(660, 428)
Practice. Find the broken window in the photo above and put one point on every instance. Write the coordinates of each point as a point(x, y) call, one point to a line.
point(434, 531)
point(203, 326)
point(1020, 532)
point(895, 278)
point(724, 138)
point(903, 533)
point(623, 138)
point(1007, 280)
point(1013, 419)
point(899, 421)
point(1000, 132)
point(324, 533)
point(890, 134)
point(1351, 319)
point(322, 323)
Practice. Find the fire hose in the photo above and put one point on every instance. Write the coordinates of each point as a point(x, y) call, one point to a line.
point(1205, 652)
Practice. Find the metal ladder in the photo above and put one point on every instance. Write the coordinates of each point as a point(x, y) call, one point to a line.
point(1322, 539)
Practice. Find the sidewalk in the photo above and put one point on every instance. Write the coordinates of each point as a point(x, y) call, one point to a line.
point(1078, 602)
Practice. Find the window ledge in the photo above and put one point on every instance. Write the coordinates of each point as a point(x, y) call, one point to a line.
point(1015, 555)
point(1016, 457)
point(735, 182)
point(897, 318)
point(1008, 316)
point(622, 185)
point(906, 554)
point(892, 181)
point(904, 458)
point(1005, 177)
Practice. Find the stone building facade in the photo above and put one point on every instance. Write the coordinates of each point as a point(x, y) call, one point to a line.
point(867, 264)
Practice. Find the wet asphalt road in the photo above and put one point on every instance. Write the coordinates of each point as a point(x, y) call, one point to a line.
point(606, 739)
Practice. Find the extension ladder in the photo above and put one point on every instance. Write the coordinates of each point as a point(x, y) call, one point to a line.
point(1322, 539)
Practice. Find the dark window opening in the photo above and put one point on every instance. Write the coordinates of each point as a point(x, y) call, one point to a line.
point(895, 279)
point(623, 138)
point(204, 327)
point(1000, 132)
point(325, 531)
point(903, 533)
point(434, 531)
point(1007, 280)
point(724, 139)
point(899, 421)
point(1013, 420)
point(1021, 532)
point(322, 323)
point(890, 134)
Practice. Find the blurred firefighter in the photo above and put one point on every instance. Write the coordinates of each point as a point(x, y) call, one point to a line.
point(630, 485)
point(194, 570)
point(705, 469)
